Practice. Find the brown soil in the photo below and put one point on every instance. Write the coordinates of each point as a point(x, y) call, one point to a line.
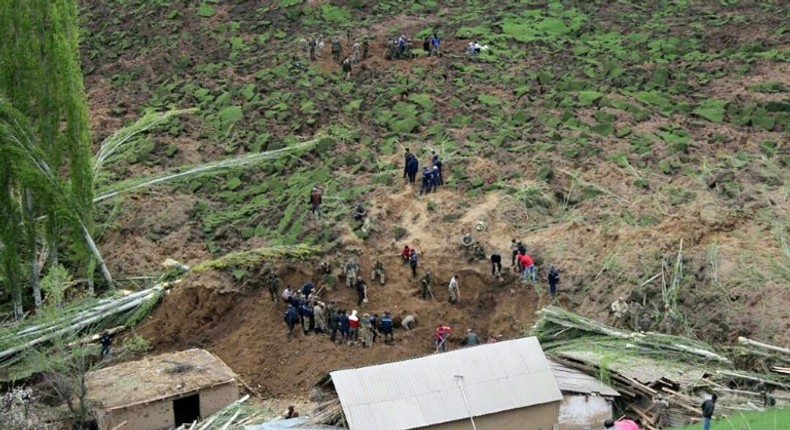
point(245, 329)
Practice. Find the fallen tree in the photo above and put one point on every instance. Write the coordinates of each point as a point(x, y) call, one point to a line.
point(648, 368)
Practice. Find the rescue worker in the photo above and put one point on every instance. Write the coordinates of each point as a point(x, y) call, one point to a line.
point(409, 322)
point(291, 413)
point(362, 291)
point(407, 155)
point(312, 46)
point(471, 338)
point(413, 166)
point(353, 326)
point(356, 55)
point(343, 325)
point(106, 342)
point(347, 68)
point(528, 267)
point(387, 327)
point(645, 322)
point(441, 333)
point(659, 408)
point(273, 284)
point(378, 272)
point(304, 47)
point(315, 201)
point(351, 272)
point(425, 286)
point(365, 333)
point(635, 312)
point(437, 162)
point(620, 309)
point(291, 318)
point(554, 279)
point(434, 178)
point(359, 212)
point(337, 49)
point(405, 254)
point(426, 45)
point(708, 406)
point(514, 251)
point(453, 290)
point(374, 326)
point(326, 268)
point(307, 289)
point(365, 47)
point(334, 324)
point(320, 317)
point(306, 312)
point(427, 175)
point(413, 263)
point(496, 265)
point(287, 294)
point(435, 41)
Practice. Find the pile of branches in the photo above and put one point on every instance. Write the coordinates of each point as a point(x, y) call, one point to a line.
point(558, 327)
point(234, 416)
point(562, 333)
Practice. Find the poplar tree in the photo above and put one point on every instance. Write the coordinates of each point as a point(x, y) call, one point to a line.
point(47, 180)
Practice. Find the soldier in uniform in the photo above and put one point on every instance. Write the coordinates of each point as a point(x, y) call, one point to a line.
point(660, 412)
point(425, 285)
point(356, 56)
point(273, 284)
point(620, 309)
point(350, 270)
point(378, 271)
point(337, 49)
point(635, 309)
point(365, 47)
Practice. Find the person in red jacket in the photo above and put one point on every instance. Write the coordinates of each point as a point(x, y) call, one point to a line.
point(405, 254)
point(442, 332)
point(529, 268)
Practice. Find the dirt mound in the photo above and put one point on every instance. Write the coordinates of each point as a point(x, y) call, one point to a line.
point(244, 328)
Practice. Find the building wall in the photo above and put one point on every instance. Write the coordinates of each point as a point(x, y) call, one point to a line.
point(159, 415)
point(538, 417)
point(217, 398)
point(580, 410)
point(149, 416)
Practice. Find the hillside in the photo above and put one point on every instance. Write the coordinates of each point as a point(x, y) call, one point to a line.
point(602, 135)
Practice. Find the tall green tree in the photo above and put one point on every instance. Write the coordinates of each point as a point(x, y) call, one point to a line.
point(44, 137)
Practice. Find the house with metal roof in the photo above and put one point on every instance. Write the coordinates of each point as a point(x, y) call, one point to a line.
point(500, 386)
point(586, 401)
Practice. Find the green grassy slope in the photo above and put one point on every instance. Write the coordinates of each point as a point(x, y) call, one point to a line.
point(638, 124)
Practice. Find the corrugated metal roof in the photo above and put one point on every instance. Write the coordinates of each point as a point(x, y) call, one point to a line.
point(642, 369)
point(294, 424)
point(574, 381)
point(425, 391)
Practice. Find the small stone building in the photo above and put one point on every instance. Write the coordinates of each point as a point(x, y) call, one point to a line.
point(586, 401)
point(161, 392)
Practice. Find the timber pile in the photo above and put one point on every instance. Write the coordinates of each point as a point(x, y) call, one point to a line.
point(644, 366)
point(329, 412)
point(23, 337)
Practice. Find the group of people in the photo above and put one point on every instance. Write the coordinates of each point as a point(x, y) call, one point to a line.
point(314, 316)
point(432, 175)
point(399, 48)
